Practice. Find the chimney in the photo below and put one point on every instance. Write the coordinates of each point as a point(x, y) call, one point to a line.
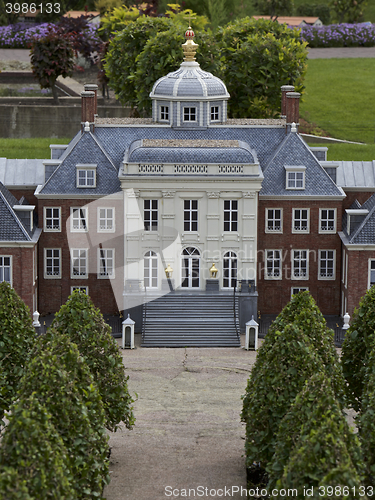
point(92, 87)
point(87, 108)
point(292, 107)
point(284, 90)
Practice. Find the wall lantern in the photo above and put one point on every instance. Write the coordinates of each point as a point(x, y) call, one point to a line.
point(168, 272)
point(213, 271)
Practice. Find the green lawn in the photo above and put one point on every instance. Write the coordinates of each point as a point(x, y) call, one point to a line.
point(340, 97)
point(349, 152)
point(29, 148)
point(368, 11)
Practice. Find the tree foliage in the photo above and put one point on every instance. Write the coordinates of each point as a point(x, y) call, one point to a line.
point(357, 347)
point(32, 446)
point(60, 379)
point(272, 389)
point(274, 8)
point(85, 326)
point(52, 56)
point(316, 402)
point(349, 11)
point(17, 338)
point(12, 485)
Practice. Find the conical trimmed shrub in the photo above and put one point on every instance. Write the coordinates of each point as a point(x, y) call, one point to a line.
point(85, 326)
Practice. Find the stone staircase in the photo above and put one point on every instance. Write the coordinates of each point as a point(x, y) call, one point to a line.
point(190, 319)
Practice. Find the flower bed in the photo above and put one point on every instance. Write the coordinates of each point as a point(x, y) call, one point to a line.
point(339, 35)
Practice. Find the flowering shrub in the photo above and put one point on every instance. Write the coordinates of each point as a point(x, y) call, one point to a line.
point(339, 35)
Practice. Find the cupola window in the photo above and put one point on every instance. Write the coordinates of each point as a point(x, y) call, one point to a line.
point(215, 113)
point(164, 113)
point(190, 114)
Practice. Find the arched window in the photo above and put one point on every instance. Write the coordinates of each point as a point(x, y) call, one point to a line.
point(150, 269)
point(230, 270)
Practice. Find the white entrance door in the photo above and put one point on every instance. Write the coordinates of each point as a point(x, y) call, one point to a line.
point(190, 268)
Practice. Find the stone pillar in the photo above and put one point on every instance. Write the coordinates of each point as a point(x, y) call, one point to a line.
point(284, 90)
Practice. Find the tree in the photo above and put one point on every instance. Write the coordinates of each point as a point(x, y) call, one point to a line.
point(17, 338)
point(61, 381)
point(32, 446)
point(259, 57)
point(117, 19)
point(357, 346)
point(85, 326)
point(315, 403)
point(52, 56)
point(274, 8)
point(349, 11)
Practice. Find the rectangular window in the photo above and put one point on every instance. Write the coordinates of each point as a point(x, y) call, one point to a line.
point(6, 268)
point(327, 223)
point(78, 220)
point(150, 215)
point(86, 177)
point(52, 262)
point(274, 223)
point(164, 113)
point(295, 179)
point(300, 265)
point(106, 220)
point(78, 257)
point(273, 264)
point(214, 113)
point(190, 114)
point(230, 215)
point(190, 215)
point(83, 289)
point(297, 289)
point(327, 264)
point(371, 272)
point(106, 263)
point(300, 220)
point(52, 219)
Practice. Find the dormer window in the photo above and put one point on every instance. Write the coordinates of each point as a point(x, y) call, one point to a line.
point(295, 177)
point(86, 176)
point(164, 113)
point(215, 116)
point(190, 114)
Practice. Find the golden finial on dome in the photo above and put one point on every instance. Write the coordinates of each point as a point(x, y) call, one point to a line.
point(189, 47)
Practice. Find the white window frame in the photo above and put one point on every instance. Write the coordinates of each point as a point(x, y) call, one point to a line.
point(86, 168)
point(4, 266)
point(149, 213)
point(270, 256)
point(267, 219)
point(346, 269)
point(299, 288)
point(370, 261)
point(103, 220)
point(53, 257)
point(215, 112)
point(79, 254)
point(164, 113)
point(230, 271)
point(52, 218)
point(327, 258)
point(327, 231)
point(82, 228)
point(300, 259)
point(80, 288)
point(106, 257)
point(231, 221)
point(151, 257)
point(187, 112)
point(294, 219)
point(291, 181)
point(192, 216)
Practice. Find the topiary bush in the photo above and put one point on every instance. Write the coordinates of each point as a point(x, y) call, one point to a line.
point(272, 389)
point(12, 485)
point(32, 446)
point(60, 379)
point(357, 346)
point(315, 403)
point(85, 326)
point(17, 338)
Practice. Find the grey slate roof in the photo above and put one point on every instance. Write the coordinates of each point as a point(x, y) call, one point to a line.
point(11, 228)
point(364, 233)
point(355, 174)
point(293, 151)
point(86, 149)
point(20, 173)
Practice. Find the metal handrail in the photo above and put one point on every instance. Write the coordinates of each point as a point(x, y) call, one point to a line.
point(234, 310)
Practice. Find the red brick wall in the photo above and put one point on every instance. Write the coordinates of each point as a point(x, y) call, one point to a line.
point(351, 196)
point(27, 193)
point(275, 294)
point(55, 292)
